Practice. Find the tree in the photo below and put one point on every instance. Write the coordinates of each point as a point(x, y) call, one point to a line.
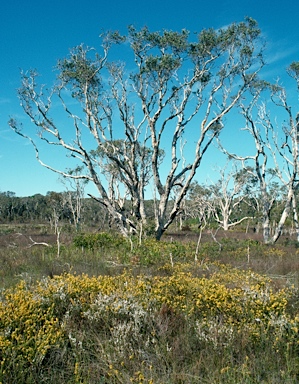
point(227, 195)
point(58, 207)
point(74, 196)
point(177, 88)
point(276, 142)
point(198, 204)
point(8, 204)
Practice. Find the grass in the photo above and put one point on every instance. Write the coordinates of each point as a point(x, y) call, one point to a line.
point(104, 313)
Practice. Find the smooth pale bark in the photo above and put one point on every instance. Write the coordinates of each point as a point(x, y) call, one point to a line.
point(281, 145)
point(283, 217)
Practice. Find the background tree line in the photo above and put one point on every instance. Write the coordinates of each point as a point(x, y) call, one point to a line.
point(233, 202)
point(44, 209)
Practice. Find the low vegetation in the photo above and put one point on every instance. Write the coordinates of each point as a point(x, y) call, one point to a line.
point(110, 311)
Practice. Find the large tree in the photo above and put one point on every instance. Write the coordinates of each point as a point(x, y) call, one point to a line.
point(143, 125)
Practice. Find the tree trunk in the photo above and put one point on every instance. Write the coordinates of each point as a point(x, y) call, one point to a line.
point(283, 218)
point(295, 216)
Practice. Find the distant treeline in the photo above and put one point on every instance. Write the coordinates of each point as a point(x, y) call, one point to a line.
point(39, 208)
point(64, 207)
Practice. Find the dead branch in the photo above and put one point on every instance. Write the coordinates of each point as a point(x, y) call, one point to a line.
point(37, 243)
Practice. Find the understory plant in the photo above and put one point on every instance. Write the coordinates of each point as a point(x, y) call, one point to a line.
point(208, 323)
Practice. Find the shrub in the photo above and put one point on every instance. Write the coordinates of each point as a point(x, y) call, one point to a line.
point(149, 328)
point(29, 329)
point(93, 241)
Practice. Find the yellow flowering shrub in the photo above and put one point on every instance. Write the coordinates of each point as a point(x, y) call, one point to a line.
point(27, 326)
point(132, 314)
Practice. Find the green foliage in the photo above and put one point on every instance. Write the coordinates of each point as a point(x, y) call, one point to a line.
point(165, 64)
point(212, 43)
point(144, 39)
point(294, 69)
point(92, 241)
point(80, 73)
point(152, 252)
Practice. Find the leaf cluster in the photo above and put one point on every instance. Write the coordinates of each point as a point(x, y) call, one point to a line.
point(79, 71)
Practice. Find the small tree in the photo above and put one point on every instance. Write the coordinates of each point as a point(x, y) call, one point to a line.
point(57, 208)
point(177, 87)
point(227, 195)
point(74, 195)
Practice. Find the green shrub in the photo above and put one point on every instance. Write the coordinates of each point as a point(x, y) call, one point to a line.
point(92, 241)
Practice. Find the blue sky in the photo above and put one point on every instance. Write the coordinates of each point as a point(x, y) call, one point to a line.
point(35, 34)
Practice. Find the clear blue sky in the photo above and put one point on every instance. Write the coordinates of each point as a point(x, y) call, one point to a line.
point(34, 34)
